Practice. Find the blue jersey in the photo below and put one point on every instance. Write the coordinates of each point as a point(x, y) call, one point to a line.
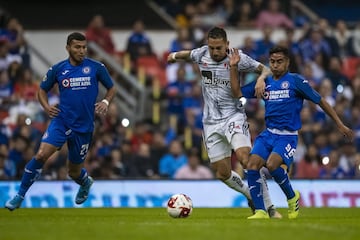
point(78, 87)
point(284, 100)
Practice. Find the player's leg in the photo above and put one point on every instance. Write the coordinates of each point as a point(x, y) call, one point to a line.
point(282, 178)
point(273, 213)
point(232, 179)
point(242, 155)
point(236, 131)
point(239, 135)
point(259, 153)
point(255, 186)
point(78, 145)
point(224, 172)
point(32, 172)
point(286, 147)
point(219, 153)
point(241, 143)
point(52, 140)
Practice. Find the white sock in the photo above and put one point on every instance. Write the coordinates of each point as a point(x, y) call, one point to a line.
point(265, 188)
point(235, 182)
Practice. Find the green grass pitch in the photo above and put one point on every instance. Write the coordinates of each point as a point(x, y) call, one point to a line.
point(154, 223)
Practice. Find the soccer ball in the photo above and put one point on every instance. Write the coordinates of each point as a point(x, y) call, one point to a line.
point(179, 206)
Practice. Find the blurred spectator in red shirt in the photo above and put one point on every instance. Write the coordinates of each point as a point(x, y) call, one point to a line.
point(309, 167)
point(97, 32)
point(272, 16)
point(141, 134)
point(26, 87)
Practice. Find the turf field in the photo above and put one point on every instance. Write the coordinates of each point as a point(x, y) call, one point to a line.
point(154, 223)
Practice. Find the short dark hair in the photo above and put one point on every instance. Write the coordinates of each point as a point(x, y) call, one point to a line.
point(75, 36)
point(280, 49)
point(217, 33)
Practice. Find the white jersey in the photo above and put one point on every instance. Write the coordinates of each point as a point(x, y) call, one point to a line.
point(218, 99)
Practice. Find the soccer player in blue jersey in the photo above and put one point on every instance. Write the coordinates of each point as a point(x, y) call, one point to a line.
point(284, 95)
point(72, 120)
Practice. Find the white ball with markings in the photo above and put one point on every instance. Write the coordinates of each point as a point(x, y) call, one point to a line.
point(179, 206)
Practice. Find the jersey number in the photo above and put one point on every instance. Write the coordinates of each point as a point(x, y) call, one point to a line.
point(84, 149)
point(290, 151)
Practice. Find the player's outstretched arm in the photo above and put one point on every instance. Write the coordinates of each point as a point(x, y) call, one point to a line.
point(347, 132)
point(180, 55)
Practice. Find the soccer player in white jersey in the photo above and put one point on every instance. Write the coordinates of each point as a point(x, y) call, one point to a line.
point(224, 119)
point(284, 95)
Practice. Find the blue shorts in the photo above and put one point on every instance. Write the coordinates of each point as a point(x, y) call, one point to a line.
point(78, 143)
point(284, 145)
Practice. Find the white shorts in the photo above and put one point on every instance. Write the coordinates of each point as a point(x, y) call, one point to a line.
point(221, 138)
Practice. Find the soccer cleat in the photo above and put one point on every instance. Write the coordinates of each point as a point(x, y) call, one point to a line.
point(273, 213)
point(251, 205)
point(14, 203)
point(293, 204)
point(83, 192)
point(259, 214)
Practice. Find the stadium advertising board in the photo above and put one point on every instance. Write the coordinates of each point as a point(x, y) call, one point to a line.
point(155, 193)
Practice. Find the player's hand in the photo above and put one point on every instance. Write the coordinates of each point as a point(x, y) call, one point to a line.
point(347, 132)
point(171, 57)
point(234, 56)
point(260, 87)
point(53, 110)
point(240, 104)
point(101, 108)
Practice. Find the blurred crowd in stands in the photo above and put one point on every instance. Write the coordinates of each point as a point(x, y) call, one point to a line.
point(170, 146)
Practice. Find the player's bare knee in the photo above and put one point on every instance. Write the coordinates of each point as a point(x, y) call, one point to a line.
point(41, 157)
point(254, 164)
point(222, 173)
point(271, 166)
point(242, 155)
point(244, 162)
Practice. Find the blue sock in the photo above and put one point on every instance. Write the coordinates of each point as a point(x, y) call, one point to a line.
point(280, 176)
point(32, 172)
point(254, 183)
point(83, 178)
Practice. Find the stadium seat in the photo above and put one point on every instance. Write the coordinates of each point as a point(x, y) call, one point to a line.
point(152, 67)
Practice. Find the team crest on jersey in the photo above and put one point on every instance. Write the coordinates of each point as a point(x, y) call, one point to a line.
point(44, 78)
point(285, 85)
point(65, 82)
point(86, 70)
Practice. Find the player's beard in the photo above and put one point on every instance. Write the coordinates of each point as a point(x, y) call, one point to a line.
point(218, 58)
point(78, 58)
